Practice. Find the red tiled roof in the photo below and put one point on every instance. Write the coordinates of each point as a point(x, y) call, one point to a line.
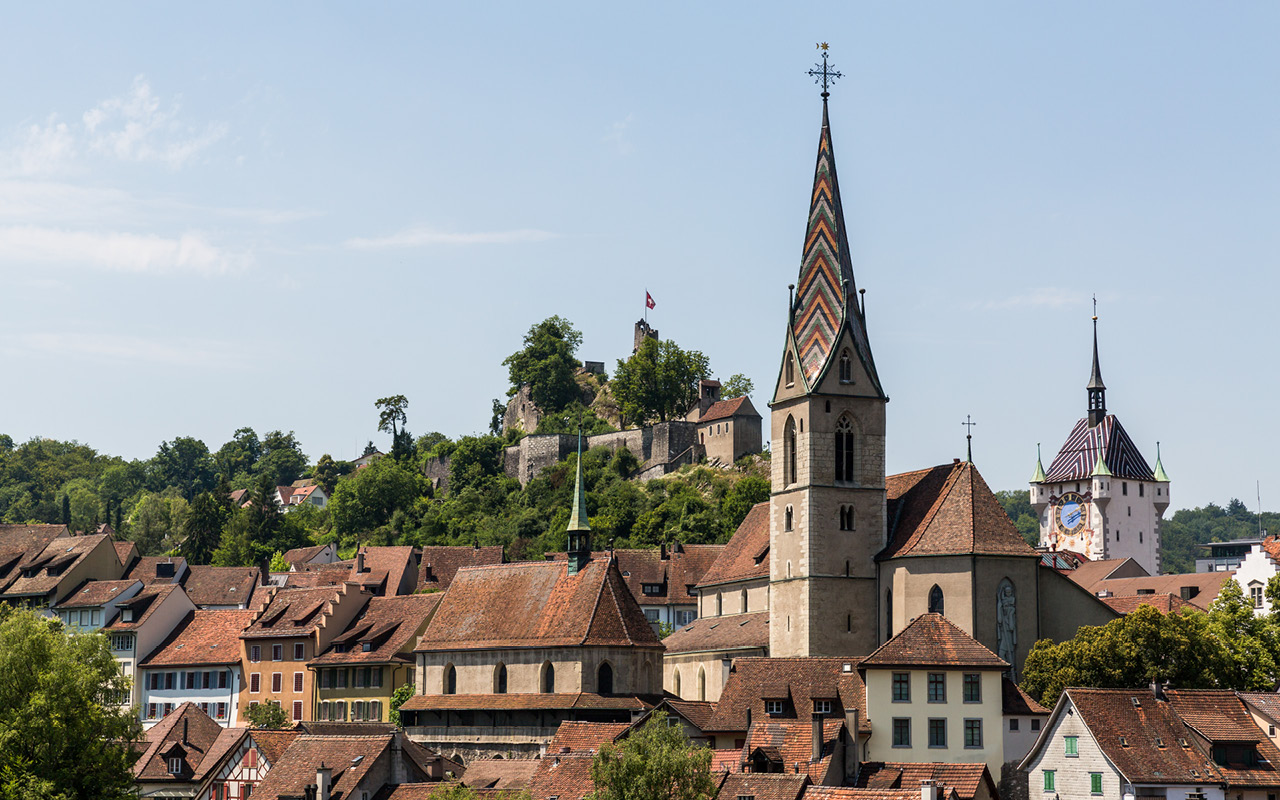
point(203, 637)
point(1268, 703)
point(567, 777)
point(935, 641)
point(302, 555)
point(296, 612)
point(228, 740)
point(964, 778)
point(196, 737)
point(854, 793)
point(734, 407)
point(28, 540)
point(389, 624)
point(144, 604)
point(585, 736)
point(763, 786)
point(734, 632)
point(145, 569)
point(221, 586)
point(752, 681)
point(1204, 585)
point(948, 510)
point(746, 556)
point(61, 555)
point(397, 562)
point(1164, 603)
point(126, 553)
point(296, 769)
point(1017, 703)
point(1090, 572)
point(273, 744)
point(1219, 716)
point(521, 701)
point(538, 604)
point(698, 712)
point(681, 570)
point(791, 741)
point(95, 593)
point(511, 774)
point(440, 564)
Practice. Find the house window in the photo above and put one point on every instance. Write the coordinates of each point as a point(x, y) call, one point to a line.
point(973, 733)
point(222, 711)
point(297, 710)
point(1095, 783)
point(326, 678)
point(277, 682)
point(902, 687)
point(299, 651)
point(937, 687)
point(1035, 724)
point(340, 678)
point(549, 679)
point(175, 766)
point(822, 706)
point(937, 733)
point(255, 683)
point(120, 643)
point(1124, 488)
point(972, 687)
point(500, 679)
point(358, 676)
point(377, 677)
point(773, 707)
point(255, 653)
point(277, 652)
point(1072, 745)
point(297, 681)
point(791, 371)
point(1013, 724)
point(844, 451)
point(652, 589)
point(604, 679)
point(901, 732)
point(1048, 780)
point(1255, 595)
point(151, 710)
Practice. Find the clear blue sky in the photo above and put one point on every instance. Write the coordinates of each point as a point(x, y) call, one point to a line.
point(272, 214)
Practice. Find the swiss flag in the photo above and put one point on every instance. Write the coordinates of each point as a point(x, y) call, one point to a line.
point(648, 300)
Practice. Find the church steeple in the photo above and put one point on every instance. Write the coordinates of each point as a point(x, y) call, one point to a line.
point(579, 529)
point(1097, 390)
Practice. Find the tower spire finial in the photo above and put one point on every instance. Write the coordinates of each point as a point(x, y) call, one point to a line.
point(823, 73)
point(1096, 388)
point(968, 437)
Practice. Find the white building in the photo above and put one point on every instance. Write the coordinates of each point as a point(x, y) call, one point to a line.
point(144, 621)
point(1258, 567)
point(198, 663)
point(95, 604)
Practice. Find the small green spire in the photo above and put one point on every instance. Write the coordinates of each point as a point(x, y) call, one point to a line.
point(1161, 475)
point(1100, 468)
point(1038, 477)
point(578, 518)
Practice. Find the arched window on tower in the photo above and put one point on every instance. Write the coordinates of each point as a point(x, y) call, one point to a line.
point(935, 600)
point(789, 452)
point(788, 520)
point(846, 367)
point(791, 370)
point(604, 679)
point(846, 518)
point(844, 450)
point(450, 679)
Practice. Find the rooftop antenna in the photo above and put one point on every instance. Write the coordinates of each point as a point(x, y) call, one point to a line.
point(968, 423)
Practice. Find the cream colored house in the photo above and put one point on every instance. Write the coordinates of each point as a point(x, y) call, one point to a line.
point(934, 694)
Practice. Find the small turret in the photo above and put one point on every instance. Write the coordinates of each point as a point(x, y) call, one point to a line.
point(579, 529)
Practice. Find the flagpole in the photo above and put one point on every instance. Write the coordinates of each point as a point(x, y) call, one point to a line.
point(646, 305)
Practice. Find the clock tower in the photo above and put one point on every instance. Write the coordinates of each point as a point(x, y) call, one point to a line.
point(1099, 497)
point(827, 507)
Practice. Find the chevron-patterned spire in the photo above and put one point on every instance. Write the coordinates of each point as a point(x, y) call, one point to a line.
point(826, 289)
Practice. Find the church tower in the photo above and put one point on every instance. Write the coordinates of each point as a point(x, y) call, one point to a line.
point(827, 507)
point(1099, 497)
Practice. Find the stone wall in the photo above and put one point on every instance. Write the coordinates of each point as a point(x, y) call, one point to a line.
point(661, 449)
point(437, 471)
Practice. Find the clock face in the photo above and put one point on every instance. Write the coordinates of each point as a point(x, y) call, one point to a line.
point(1069, 514)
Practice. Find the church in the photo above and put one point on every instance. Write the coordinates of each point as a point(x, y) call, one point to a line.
point(854, 555)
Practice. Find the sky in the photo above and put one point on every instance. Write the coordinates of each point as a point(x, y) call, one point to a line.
point(270, 215)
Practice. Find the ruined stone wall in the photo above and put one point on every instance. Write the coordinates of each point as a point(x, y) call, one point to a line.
point(437, 471)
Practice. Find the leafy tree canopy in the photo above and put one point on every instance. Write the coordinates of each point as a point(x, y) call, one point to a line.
point(63, 735)
point(1017, 504)
point(185, 464)
point(547, 362)
point(738, 385)
point(658, 383)
point(655, 762)
point(268, 714)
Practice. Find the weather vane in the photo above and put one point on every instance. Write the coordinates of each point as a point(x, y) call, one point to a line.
point(969, 423)
point(823, 73)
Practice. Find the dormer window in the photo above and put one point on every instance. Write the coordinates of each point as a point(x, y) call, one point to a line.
point(652, 589)
point(175, 766)
point(126, 615)
point(367, 647)
point(773, 707)
point(822, 706)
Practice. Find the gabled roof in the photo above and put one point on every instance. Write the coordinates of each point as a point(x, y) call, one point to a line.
point(1218, 716)
point(765, 786)
point(734, 407)
point(389, 625)
point(296, 612)
point(503, 774)
point(17, 541)
point(350, 757)
point(1266, 703)
point(302, 555)
point(1203, 586)
point(791, 742)
point(746, 556)
point(566, 777)
point(395, 562)
point(186, 726)
point(1089, 572)
point(964, 778)
point(697, 712)
point(147, 569)
point(932, 640)
point(1108, 440)
point(221, 586)
point(203, 637)
point(59, 556)
point(752, 681)
point(733, 632)
point(575, 737)
point(1016, 703)
point(440, 564)
point(1164, 603)
point(680, 568)
point(127, 553)
point(93, 594)
point(538, 604)
point(948, 510)
point(144, 605)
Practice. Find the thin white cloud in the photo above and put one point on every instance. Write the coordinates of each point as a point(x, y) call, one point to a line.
point(132, 349)
point(135, 126)
point(423, 236)
point(617, 135)
point(115, 251)
point(40, 149)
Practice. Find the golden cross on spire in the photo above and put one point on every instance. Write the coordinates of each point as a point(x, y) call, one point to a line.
point(823, 73)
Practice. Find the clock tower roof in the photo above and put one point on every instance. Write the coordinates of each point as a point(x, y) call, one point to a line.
point(1088, 443)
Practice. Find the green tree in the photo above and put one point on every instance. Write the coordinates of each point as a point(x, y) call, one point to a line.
point(267, 714)
point(547, 362)
point(282, 461)
point(238, 457)
point(184, 464)
point(738, 385)
point(739, 500)
point(1017, 504)
point(327, 471)
point(659, 382)
point(1251, 648)
point(62, 735)
point(202, 528)
point(278, 564)
point(398, 698)
point(368, 498)
point(157, 522)
point(655, 762)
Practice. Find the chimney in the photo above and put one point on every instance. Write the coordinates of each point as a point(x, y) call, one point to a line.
point(927, 791)
point(851, 753)
point(265, 566)
point(817, 738)
point(1157, 689)
point(360, 561)
point(398, 775)
point(322, 782)
point(662, 552)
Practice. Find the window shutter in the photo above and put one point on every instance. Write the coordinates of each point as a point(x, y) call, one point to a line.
point(376, 713)
point(377, 677)
point(297, 681)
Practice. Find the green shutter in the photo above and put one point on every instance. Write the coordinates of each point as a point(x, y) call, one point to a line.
point(1048, 780)
point(1095, 782)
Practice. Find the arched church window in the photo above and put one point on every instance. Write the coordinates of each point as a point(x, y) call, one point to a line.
point(846, 367)
point(888, 615)
point(846, 518)
point(743, 595)
point(789, 452)
point(844, 450)
point(935, 600)
point(500, 679)
point(702, 683)
point(604, 679)
point(548, 678)
point(450, 679)
point(791, 371)
point(675, 682)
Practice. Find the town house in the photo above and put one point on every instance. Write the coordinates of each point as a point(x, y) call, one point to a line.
point(199, 663)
